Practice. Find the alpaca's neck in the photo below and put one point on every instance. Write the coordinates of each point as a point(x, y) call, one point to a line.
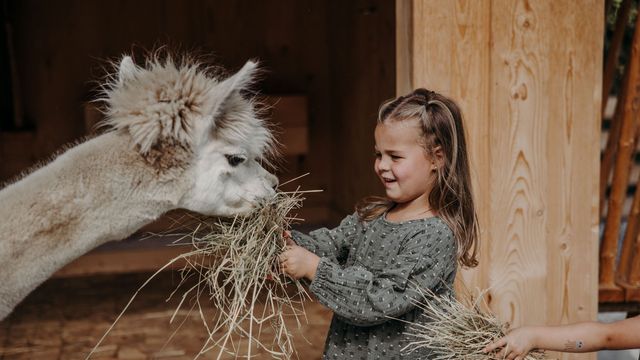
point(96, 192)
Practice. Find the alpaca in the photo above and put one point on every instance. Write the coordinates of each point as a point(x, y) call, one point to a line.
point(178, 137)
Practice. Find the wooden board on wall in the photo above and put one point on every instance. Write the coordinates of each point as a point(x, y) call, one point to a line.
point(463, 41)
point(528, 76)
point(363, 72)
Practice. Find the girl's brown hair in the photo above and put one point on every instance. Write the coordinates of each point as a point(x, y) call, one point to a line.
point(451, 196)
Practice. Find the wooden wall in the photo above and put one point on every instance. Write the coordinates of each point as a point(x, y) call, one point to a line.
point(364, 76)
point(339, 54)
point(527, 75)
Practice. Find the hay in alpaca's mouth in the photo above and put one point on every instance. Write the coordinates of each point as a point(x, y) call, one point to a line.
point(234, 262)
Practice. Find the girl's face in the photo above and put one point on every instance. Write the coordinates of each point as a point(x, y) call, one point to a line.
point(402, 163)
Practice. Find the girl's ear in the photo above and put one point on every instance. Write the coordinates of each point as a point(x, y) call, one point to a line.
point(437, 159)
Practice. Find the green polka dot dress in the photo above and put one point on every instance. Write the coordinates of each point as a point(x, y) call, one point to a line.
point(368, 273)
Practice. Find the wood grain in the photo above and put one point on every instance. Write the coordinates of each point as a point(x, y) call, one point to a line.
point(532, 103)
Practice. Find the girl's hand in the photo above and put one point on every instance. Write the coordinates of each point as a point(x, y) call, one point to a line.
point(298, 262)
point(516, 344)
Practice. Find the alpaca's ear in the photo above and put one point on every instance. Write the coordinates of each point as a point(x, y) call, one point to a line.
point(127, 69)
point(225, 90)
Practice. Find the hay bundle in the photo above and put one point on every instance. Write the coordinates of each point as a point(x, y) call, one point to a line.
point(459, 329)
point(234, 262)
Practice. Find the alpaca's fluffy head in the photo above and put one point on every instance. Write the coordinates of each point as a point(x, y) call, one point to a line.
point(186, 121)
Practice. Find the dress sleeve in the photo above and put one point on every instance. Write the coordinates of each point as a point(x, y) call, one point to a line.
point(332, 244)
point(364, 298)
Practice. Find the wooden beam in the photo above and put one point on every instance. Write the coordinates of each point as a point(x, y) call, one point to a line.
point(633, 271)
point(123, 261)
point(615, 294)
point(136, 255)
point(629, 242)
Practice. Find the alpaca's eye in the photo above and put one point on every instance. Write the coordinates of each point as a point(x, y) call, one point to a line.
point(235, 160)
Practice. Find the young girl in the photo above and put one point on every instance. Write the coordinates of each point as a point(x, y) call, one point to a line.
point(368, 269)
point(580, 337)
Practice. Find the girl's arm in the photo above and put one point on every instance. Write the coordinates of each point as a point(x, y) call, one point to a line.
point(580, 337)
point(330, 243)
point(364, 298)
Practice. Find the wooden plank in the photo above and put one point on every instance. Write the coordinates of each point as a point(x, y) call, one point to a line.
point(535, 157)
point(145, 256)
point(362, 34)
point(123, 261)
point(573, 73)
point(175, 218)
point(614, 294)
point(463, 76)
point(519, 245)
point(633, 272)
point(629, 242)
point(404, 47)
point(16, 93)
point(16, 153)
point(632, 294)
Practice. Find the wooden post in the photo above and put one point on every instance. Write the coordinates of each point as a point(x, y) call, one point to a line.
point(628, 244)
point(626, 147)
point(528, 77)
point(614, 50)
point(634, 267)
point(612, 143)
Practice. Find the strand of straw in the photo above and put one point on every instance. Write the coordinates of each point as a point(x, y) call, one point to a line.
point(234, 262)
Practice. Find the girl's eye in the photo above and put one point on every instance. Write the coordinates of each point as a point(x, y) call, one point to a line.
point(235, 160)
point(378, 155)
point(395, 157)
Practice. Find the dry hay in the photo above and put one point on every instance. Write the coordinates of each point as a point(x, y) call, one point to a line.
point(234, 262)
point(459, 328)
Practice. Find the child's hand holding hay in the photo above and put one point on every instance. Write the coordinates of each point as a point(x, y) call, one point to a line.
point(579, 337)
point(298, 262)
point(460, 329)
point(516, 344)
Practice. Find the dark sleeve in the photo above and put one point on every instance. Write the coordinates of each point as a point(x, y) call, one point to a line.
point(330, 243)
point(364, 298)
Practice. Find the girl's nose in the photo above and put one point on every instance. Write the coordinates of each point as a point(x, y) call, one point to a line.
point(383, 164)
